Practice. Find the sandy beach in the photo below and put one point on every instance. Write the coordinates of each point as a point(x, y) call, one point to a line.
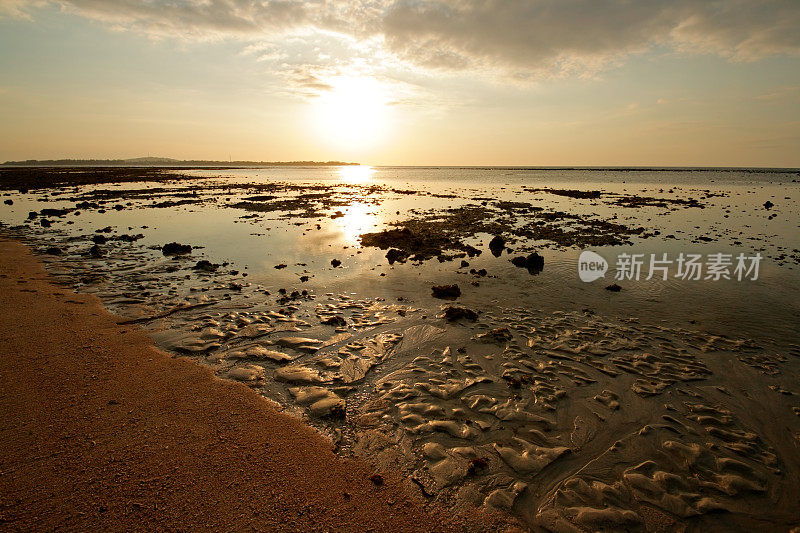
point(100, 430)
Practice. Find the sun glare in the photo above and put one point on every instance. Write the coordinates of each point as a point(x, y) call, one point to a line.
point(353, 114)
point(358, 218)
point(356, 173)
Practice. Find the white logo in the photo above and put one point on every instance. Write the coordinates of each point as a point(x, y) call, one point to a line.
point(633, 267)
point(591, 266)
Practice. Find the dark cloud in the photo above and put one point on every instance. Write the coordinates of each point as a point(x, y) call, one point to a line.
point(569, 35)
point(526, 39)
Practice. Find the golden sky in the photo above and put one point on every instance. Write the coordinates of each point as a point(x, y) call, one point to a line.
point(402, 82)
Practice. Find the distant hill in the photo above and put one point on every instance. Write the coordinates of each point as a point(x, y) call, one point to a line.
point(162, 162)
point(150, 161)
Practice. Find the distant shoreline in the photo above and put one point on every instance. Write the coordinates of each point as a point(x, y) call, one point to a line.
point(232, 165)
point(166, 163)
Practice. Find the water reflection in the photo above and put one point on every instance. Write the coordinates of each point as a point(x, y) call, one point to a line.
point(356, 173)
point(358, 218)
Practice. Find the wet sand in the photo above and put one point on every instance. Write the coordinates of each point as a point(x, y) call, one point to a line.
point(98, 429)
point(668, 405)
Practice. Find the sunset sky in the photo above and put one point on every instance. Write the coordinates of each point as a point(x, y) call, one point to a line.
point(438, 82)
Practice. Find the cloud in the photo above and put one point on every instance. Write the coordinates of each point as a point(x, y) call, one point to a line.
point(780, 95)
point(524, 40)
point(570, 36)
point(742, 30)
point(17, 8)
point(194, 19)
point(539, 36)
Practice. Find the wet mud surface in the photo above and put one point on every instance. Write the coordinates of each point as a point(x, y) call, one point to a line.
point(567, 406)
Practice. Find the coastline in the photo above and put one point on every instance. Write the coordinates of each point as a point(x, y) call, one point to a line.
point(99, 429)
point(318, 291)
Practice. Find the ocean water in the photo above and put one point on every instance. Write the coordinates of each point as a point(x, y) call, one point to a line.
point(735, 222)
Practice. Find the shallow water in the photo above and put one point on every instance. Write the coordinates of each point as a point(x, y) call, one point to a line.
point(671, 401)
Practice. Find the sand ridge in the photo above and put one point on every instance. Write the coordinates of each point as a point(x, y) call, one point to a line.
point(98, 433)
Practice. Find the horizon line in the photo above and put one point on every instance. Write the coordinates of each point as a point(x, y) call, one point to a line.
point(177, 164)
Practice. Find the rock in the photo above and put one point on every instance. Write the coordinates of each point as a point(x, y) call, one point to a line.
point(446, 291)
point(96, 251)
point(394, 255)
point(496, 245)
point(377, 479)
point(335, 263)
point(99, 239)
point(45, 223)
point(278, 267)
point(614, 288)
point(175, 248)
point(768, 205)
point(129, 238)
point(32, 215)
point(499, 335)
point(53, 250)
point(335, 321)
point(472, 251)
point(423, 245)
point(206, 266)
point(477, 465)
point(520, 262)
point(9, 202)
point(534, 262)
point(453, 313)
point(54, 212)
point(464, 264)
point(303, 279)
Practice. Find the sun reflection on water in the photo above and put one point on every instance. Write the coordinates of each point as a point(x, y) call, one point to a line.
point(358, 218)
point(356, 173)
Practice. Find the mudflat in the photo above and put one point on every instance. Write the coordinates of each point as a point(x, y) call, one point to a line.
point(434, 322)
point(98, 429)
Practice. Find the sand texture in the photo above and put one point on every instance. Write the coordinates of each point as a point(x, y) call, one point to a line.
point(98, 429)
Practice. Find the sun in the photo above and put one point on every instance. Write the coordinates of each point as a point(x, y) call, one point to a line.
point(353, 113)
